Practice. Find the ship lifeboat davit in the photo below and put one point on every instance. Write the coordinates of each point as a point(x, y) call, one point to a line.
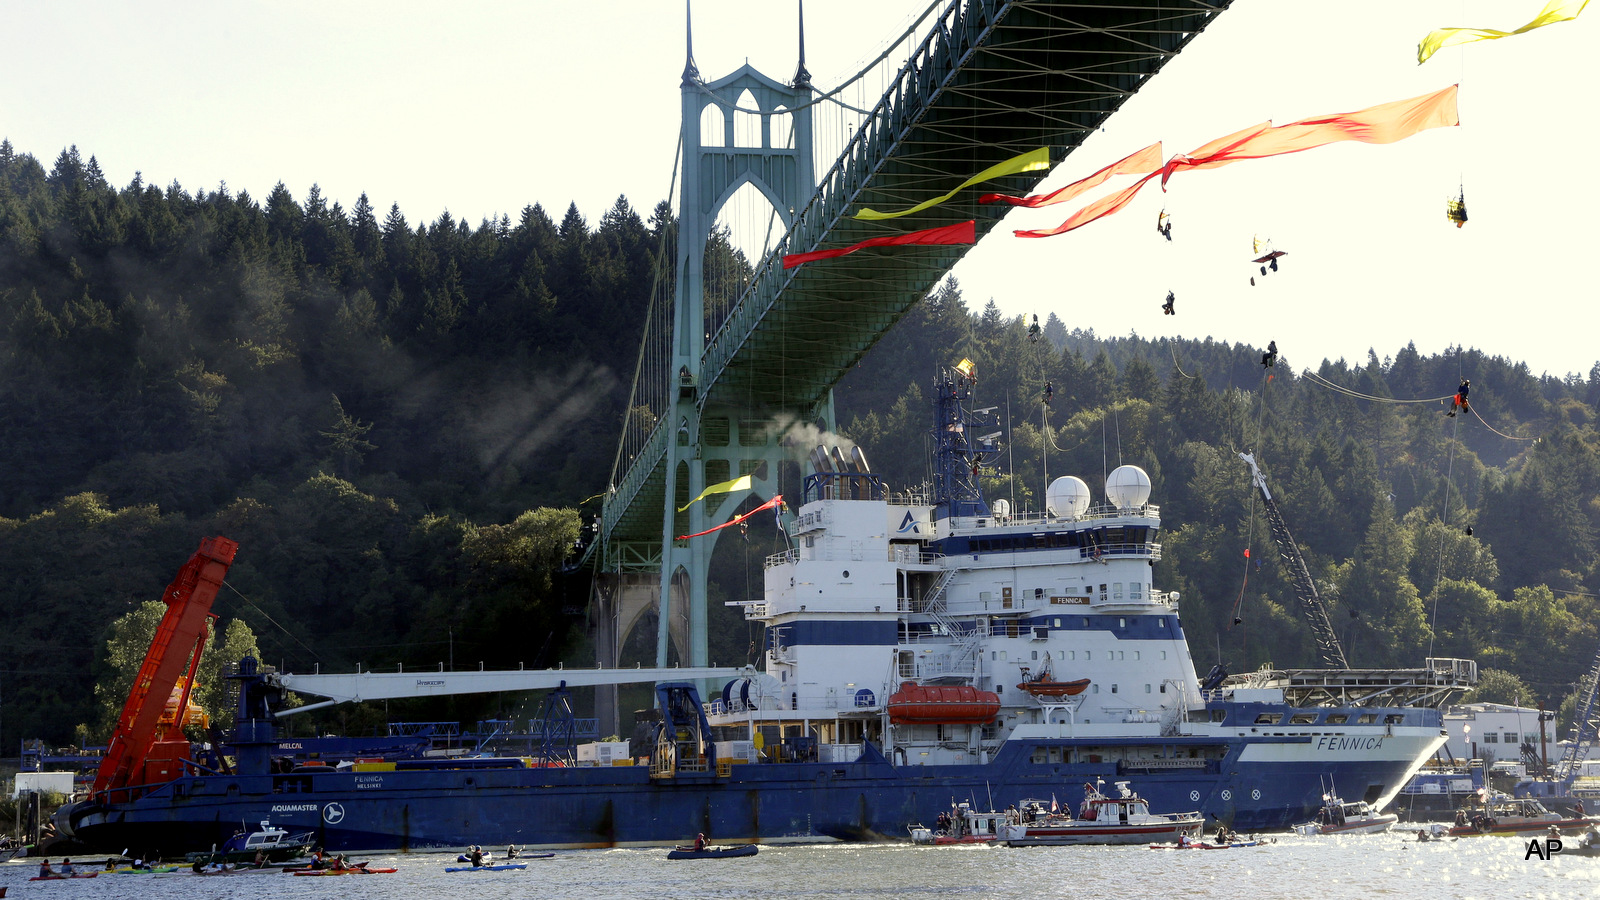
point(917, 704)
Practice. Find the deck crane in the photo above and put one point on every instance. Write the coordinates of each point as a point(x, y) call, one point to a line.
point(1586, 728)
point(148, 746)
point(1328, 646)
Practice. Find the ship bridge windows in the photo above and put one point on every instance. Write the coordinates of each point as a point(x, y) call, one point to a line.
point(1336, 719)
point(1269, 718)
point(1367, 719)
point(1303, 719)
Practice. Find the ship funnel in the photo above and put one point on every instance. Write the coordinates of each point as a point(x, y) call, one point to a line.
point(1127, 487)
point(1067, 497)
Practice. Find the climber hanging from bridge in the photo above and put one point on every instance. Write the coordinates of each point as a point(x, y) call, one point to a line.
point(1034, 330)
point(1270, 358)
point(1459, 401)
point(1166, 308)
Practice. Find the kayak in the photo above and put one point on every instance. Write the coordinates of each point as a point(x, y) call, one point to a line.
point(353, 870)
point(153, 870)
point(1206, 845)
point(713, 852)
point(62, 877)
point(498, 868)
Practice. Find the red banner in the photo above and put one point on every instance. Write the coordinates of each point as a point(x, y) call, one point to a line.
point(959, 233)
point(775, 501)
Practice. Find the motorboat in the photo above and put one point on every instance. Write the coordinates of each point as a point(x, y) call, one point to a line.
point(1123, 819)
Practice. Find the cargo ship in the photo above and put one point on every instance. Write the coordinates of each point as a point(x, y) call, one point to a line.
point(907, 636)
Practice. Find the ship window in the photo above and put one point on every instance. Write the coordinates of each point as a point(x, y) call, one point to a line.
point(1035, 654)
point(1057, 623)
point(1002, 655)
point(1399, 718)
point(1039, 756)
point(1163, 687)
point(993, 655)
point(1336, 719)
point(1086, 618)
point(1163, 654)
point(1147, 688)
point(1269, 718)
point(1122, 654)
point(1093, 688)
point(1113, 689)
point(1088, 654)
point(1303, 719)
point(1136, 656)
point(1367, 719)
point(1121, 623)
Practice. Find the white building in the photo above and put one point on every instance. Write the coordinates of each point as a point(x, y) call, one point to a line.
point(1497, 731)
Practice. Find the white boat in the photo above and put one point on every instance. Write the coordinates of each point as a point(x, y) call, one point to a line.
point(1123, 819)
point(1500, 814)
point(1340, 816)
point(961, 825)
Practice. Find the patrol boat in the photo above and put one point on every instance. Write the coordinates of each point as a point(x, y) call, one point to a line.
point(938, 589)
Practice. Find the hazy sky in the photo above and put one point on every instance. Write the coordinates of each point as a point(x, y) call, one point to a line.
point(484, 108)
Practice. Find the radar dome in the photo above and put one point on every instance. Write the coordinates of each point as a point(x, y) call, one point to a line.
point(1127, 487)
point(1001, 508)
point(1067, 497)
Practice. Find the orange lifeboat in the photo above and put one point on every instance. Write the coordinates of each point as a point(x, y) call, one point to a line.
point(1048, 687)
point(916, 704)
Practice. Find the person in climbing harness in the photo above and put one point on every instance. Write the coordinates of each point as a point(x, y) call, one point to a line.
point(1033, 330)
point(1270, 358)
point(1460, 401)
point(1049, 392)
point(1166, 307)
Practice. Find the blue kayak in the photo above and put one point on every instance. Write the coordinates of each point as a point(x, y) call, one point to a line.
point(499, 868)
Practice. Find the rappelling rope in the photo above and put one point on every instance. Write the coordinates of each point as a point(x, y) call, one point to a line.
point(1323, 382)
point(1173, 347)
point(1508, 437)
point(1250, 532)
point(1444, 519)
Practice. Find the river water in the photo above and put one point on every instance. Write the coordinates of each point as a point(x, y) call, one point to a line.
point(1323, 868)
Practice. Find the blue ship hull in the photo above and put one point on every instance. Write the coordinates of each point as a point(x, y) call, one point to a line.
point(589, 807)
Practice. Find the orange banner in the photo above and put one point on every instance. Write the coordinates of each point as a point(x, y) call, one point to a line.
point(1381, 124)
point(1138, 163)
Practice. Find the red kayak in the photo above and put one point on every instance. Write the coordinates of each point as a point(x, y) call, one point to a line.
point(353, 870)
point(60, 877)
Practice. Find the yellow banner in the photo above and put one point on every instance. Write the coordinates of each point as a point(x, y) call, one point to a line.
point(965, 367)
point(1555, 11)
point(1032, 161)
point(742, 483)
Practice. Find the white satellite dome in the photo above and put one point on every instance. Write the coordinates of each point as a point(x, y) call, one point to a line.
point(1127, 487)
point(1000, 508)
point(1067, 497)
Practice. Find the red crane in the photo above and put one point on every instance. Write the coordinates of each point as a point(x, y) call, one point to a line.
point(148, 748)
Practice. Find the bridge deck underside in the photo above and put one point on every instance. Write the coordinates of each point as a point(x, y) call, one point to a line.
point(1044, 74)
point(998, 80)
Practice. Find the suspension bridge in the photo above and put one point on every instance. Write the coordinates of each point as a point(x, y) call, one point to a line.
point(740, 355)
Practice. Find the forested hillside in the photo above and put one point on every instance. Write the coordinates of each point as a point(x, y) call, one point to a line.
point(399, 423)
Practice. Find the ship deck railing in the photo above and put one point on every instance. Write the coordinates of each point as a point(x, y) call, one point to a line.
point(899, 554)
point(1433, 685)
point(1036, 519)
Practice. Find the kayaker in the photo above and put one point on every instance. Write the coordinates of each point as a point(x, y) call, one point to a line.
point(67, 868)
point(261, 858)
point(511, 852)
point(44, 868)
point(700, 841)
point(476, 857)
